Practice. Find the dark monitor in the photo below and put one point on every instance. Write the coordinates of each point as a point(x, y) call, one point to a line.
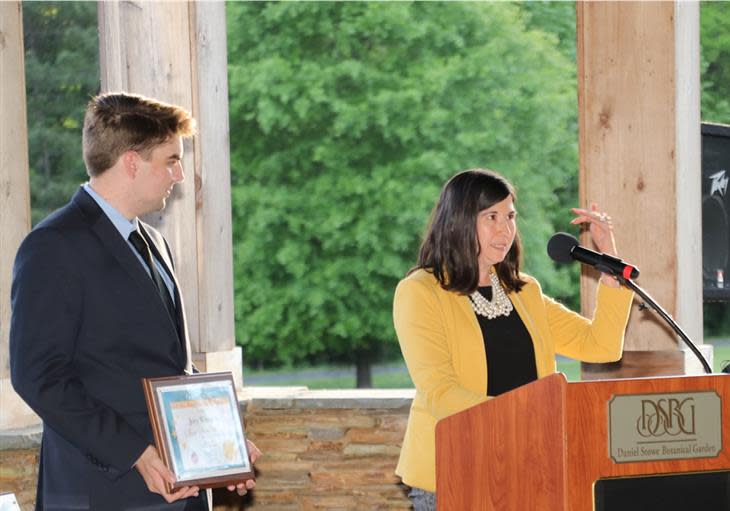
point(715, 212)
point(706, 491)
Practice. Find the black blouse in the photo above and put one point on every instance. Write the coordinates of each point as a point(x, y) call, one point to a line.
point(510, 353)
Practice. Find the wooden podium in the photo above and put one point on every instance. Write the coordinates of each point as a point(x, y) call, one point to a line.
point(544, 445)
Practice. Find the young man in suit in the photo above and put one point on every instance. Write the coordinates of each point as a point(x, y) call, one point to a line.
point(96, 306)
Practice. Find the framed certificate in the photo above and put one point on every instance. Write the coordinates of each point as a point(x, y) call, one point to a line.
point(198, 429)
point(8, 502)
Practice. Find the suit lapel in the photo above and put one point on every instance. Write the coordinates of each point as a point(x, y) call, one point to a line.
point(164, 257)
point(110, 238)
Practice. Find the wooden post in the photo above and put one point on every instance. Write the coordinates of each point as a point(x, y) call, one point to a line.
point(638, 91)
point(14, 194)
point(212, 158)
point(176, 52)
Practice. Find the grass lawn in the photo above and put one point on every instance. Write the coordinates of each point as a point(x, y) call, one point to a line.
point(385, 376)
point(721, 353)
point(394, 375)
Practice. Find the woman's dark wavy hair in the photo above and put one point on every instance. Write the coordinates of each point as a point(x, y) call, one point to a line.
point(450, 247)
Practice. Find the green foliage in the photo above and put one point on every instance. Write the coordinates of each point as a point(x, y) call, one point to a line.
point(62, 73)
point(715, 34)
point(346, 119)
point(555, 18)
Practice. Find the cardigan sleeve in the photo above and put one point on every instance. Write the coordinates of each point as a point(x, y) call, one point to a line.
point(600, 339)
point(421, 331)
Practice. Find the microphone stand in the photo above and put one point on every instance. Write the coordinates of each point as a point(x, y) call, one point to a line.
point(666, 317)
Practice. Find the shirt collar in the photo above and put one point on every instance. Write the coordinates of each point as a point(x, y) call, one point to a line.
point(124, 226)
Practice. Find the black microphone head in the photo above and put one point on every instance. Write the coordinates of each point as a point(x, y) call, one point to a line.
point(560, 246)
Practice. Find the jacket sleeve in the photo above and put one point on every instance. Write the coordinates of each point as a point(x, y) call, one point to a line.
point(423, 340)
point(600, 339)
point(47, 311)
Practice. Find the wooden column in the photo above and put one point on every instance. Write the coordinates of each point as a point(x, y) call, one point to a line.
point(638, 92)
point(14, 194)
point(176, 52)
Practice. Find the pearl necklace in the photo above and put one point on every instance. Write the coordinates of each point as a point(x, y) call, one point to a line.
point(499, 305)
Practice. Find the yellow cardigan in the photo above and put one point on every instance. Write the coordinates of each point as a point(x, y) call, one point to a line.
point(443, 347)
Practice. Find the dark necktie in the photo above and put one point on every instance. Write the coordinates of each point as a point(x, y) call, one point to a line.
point(140, 244)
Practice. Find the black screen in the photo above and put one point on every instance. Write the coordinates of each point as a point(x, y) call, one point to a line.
point(705, 491)
point(716, 211)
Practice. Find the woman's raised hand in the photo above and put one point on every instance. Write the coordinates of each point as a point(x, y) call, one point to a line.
point(601, 229)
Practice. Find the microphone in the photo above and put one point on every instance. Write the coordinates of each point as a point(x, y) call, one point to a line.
point(564, 248)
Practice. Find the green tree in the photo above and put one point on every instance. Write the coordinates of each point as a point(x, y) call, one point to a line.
point(62, 73)
point(556, 18)
point(715, 85)
point(346, 119)
point(715, 78)
point(558, 21)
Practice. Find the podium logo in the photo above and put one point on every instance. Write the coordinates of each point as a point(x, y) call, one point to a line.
point(666, 417)
point(664, 426)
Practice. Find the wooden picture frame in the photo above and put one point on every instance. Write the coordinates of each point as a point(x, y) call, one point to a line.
point(198, 429)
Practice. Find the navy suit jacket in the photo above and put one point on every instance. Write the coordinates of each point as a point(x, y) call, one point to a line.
point(88, 323)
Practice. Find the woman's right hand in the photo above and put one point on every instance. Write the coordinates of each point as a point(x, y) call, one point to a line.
point(600, 228)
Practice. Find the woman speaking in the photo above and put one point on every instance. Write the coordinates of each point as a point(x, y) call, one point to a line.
point(471, 326)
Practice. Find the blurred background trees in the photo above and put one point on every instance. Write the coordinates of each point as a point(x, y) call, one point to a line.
point(715, 67)
point(346, 119)
point(61, 75)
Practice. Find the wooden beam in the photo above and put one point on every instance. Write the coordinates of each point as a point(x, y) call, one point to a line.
point(689, 310)
point(639, 153)
point(14, 193)
point(212, 173)
point(145, 49)
point(176, 52)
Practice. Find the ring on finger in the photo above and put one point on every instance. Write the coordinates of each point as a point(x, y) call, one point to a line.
point(603, 217)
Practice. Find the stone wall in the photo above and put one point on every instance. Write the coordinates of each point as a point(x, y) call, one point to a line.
point(323, 450)
point(19, 452)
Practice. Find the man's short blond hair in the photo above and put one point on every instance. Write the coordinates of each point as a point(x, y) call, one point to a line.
point(117, 122)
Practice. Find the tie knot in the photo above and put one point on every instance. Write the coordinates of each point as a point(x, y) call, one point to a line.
point(138, 241)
